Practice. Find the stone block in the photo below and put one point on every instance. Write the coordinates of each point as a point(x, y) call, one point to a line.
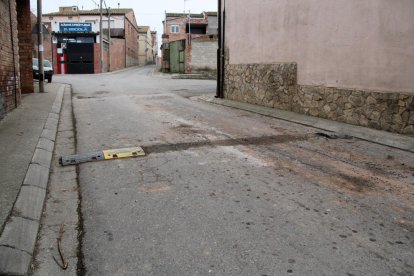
point(14, 261)
point(51, 124)
point(409, 130)
point(20, 233)
point(37, 175)
point(411, 119)
point(405, 116)
point(42, 157)
point(363, 121)
point(397, 118)
point(371, 100)
point(356, 101)
point(48, 134)
point(375, 116)
point(402, 103)
point(45, 144)
point(29, 203)
point(55, 109)
point(54, 116)
point(327, 108)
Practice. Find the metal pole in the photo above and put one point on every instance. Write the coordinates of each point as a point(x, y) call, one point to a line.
point(101, 36)
point(189, 27)
point(218, 90)
point(109, 39)
point(40, 46)
point(165, 23)
point(223, 53)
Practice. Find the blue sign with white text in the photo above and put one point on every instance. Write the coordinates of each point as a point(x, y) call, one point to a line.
point(75, 27)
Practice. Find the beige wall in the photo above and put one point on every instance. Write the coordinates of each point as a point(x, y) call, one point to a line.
point(363, 44)
point(145, 48)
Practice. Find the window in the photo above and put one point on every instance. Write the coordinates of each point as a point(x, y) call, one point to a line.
point(175, 28)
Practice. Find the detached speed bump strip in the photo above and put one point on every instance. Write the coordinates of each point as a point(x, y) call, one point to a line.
point(123, 153)
point(101, 155)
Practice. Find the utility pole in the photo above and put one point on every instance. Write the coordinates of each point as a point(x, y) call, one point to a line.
point(40, 47)
point(101, 36)
point(109, 39)
point(165, 23)
point(189, 27)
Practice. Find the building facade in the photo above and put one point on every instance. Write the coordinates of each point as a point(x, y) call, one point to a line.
point(16, 75)
point(146, 46)
point(76, 38)
point(154, 46)
point(349, 61)
point(189, 42)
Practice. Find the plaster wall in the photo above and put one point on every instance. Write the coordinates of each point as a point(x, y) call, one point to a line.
point(203, 56)
point(343, 43)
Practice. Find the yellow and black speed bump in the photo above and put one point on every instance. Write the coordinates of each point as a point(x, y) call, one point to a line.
point(101, 155)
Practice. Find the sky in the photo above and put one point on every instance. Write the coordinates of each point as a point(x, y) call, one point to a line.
point(147, 12)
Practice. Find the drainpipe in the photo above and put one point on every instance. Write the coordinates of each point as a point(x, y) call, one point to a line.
point(223, 54)
point(218, 89)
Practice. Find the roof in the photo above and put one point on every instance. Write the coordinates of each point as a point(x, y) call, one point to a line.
point(89, 12)
point(193, 15)
point(211, 13)
point(143, 29)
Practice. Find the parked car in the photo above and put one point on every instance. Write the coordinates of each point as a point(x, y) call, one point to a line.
point(47, 68)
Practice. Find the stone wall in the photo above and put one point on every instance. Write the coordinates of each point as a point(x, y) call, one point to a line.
point(388, 111)
point(275, 85)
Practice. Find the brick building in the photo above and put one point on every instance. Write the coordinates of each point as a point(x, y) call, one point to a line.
point(76, 40)
point(188, 28)
point(15, 53)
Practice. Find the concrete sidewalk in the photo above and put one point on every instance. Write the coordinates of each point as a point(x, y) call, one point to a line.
point(27, 137)
point(402, 142)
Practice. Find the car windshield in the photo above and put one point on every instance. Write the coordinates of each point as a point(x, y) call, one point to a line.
point(46, 63)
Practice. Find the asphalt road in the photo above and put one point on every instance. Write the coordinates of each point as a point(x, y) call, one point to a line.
point(228, 192)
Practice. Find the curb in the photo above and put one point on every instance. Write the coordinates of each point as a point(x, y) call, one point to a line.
point(394, 140)
point(17, 242)
point(192, 77)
